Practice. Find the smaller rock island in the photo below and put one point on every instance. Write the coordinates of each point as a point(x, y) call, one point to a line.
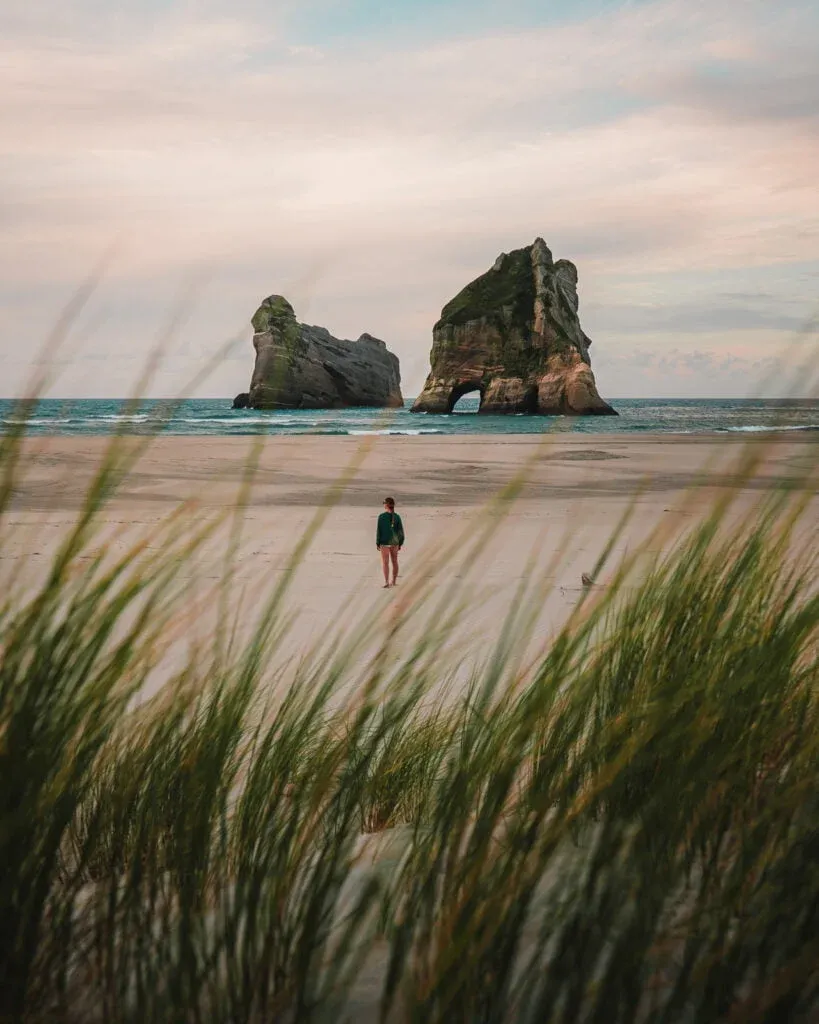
point(514, 336)
point(303, 367)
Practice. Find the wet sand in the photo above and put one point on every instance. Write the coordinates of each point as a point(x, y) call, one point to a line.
point(575, 491)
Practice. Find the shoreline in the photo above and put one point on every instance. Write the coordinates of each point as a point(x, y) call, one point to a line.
point(738, 434)
point(675, 418)
point(426, 471)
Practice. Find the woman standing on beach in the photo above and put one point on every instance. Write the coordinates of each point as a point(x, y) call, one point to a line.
point(389, 539)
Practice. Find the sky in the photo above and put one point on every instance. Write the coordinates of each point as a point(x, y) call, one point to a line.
point(368, 158)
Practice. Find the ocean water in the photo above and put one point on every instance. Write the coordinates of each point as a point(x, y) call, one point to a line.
point(216, 417)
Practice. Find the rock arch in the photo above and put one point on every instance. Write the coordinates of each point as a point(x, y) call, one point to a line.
point(514, 335)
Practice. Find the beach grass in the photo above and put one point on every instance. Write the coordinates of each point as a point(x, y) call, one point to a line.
point(622, 828)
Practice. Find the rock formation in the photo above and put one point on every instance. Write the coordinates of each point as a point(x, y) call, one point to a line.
point(514, 336)
point(302, 367)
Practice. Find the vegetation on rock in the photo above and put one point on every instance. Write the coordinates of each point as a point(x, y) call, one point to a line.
point(511, 287)
point(274, 312)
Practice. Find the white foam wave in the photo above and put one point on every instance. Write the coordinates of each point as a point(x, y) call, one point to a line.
point(758, 428)
point(77, 421)
point(34, 422)
point(239, 421)
point(409, 433)
point(137, 417)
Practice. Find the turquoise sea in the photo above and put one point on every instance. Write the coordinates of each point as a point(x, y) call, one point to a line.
point(216, 417)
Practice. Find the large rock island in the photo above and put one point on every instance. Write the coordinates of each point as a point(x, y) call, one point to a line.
point(303, 367)
point(514, 336)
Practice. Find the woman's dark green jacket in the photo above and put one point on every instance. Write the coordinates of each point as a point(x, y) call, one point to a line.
point(390, 530)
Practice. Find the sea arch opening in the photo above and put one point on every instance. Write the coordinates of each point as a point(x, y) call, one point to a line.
point(468, 392)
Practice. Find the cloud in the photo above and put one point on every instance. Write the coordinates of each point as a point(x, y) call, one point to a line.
point(763, 366)
point(695, 319)
point(757, 92)
point(371, 180)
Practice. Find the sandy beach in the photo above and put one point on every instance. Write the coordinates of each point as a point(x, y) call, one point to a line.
point(576, 490)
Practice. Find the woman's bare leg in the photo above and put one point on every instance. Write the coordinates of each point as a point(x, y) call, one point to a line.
point(394, 559)
point(385, 564)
